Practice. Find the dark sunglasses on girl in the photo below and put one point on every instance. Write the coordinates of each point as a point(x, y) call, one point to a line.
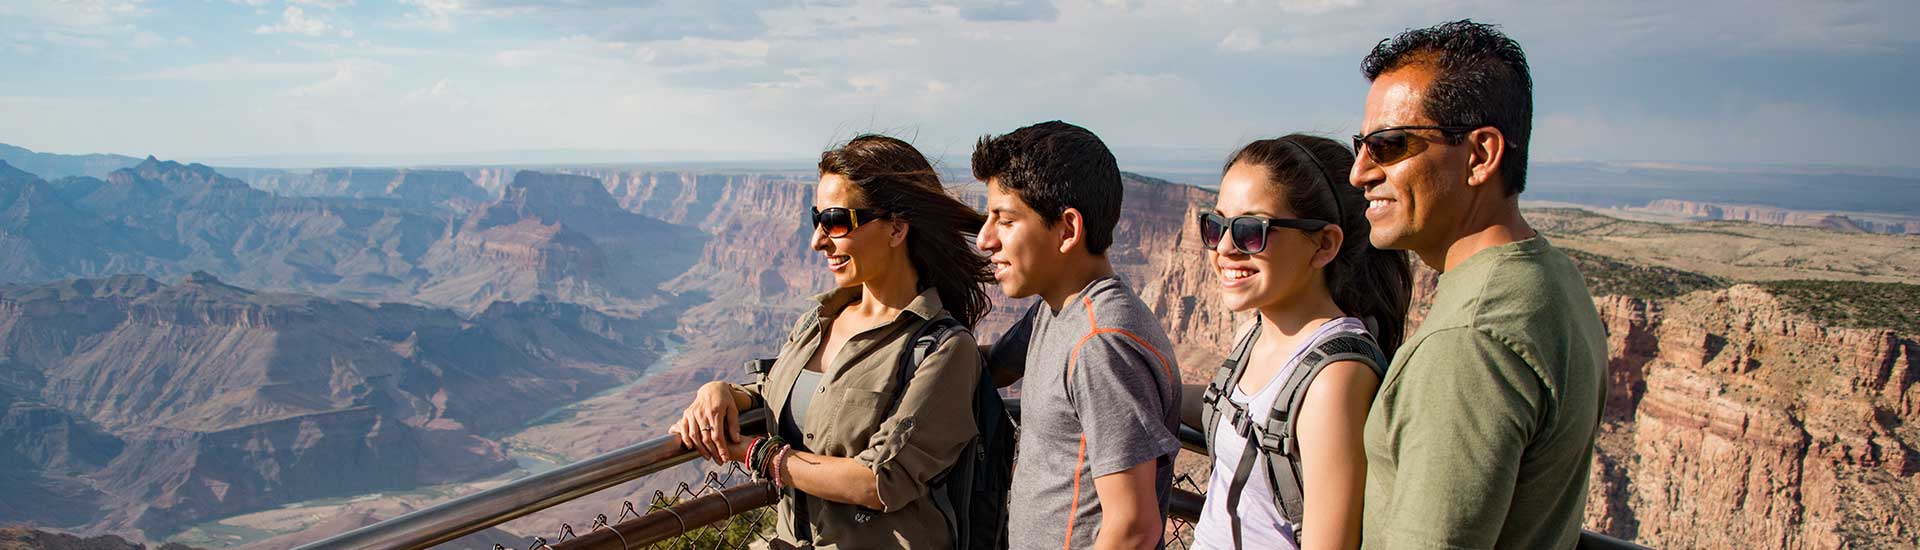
point(839, 221)
point(1249, 232)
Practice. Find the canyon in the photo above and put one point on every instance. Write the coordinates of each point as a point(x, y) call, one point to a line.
point(225, 350)
point(1861, 223)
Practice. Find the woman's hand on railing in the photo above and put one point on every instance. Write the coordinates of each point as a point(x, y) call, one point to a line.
point(711, 425)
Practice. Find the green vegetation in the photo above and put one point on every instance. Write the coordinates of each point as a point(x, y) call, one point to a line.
point(739, 531)
point(1852, 304)
point(1608, 277)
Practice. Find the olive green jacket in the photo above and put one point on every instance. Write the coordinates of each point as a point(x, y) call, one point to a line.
point(848, 418)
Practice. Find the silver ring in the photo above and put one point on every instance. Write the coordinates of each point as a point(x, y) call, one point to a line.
point(707, 429)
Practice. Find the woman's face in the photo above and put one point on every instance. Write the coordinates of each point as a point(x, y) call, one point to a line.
point(1292, 259)
point(863, 253)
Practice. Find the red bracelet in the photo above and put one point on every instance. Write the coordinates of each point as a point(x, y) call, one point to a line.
point(748, 460)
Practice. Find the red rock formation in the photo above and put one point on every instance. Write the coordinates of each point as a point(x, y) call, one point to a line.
point(1734, 422)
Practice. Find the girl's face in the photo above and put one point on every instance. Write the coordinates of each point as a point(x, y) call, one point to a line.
point(861, 254)
point(1288, 267)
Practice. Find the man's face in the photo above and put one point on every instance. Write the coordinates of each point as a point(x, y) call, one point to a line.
point(1023, 250)
point(1415, 203)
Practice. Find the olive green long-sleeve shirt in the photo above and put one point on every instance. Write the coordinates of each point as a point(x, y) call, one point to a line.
point(1482, 433)
point(906, 449)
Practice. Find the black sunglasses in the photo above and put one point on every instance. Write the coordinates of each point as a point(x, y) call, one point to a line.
point(1249, 232)
point(838, 221)
point(1390, 145)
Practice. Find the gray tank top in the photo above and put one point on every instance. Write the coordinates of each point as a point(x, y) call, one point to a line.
point(798, 401)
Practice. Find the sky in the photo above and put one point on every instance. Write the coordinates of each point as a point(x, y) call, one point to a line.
point(1709, 81)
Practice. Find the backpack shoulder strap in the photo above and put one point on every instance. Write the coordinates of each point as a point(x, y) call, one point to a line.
point(1224, 379)
point(1278, 438)
point(930, 336)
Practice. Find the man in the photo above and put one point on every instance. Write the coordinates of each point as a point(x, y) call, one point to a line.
point(1483, 429)
point(1100, 400)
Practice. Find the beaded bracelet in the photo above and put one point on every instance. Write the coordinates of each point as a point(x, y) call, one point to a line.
point(780, 463)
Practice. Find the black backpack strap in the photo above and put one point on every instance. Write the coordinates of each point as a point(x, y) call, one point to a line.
point(1274, 436)
point(927, 338)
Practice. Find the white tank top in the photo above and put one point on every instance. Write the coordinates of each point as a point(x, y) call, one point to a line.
point(1261, 525)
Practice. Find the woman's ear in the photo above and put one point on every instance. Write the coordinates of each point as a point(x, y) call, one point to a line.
point(1328, 240)
point(897, 232)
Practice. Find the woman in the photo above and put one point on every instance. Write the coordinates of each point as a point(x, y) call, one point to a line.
point(1288, 239)
point(854, 454)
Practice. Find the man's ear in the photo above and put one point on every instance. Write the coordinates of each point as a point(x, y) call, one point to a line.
point(1486, 149)
point(1072, 229)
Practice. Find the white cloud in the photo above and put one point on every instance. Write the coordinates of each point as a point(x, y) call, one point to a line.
point(1138, 84)
point(346, 78)
point(441, 92)
point(294, 20)
point(1241, 40)
point(238, 69)
point(705, 53)
point(870, 84)
point(1315, 7)
point(90, 41)
point(324, 4)
point(149, 39)
point(77, 13)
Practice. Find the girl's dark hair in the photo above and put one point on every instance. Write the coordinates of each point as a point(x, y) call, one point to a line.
point(1366, 282)
point(895, 178)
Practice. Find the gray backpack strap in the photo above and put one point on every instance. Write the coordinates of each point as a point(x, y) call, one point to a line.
point(1278, 437)
point(1224, 379)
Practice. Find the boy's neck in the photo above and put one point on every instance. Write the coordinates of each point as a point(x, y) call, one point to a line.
point(1077, 271)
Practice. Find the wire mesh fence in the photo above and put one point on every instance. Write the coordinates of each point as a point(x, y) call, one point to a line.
point(1179, 531)
point(665, 521)
point(687, 518)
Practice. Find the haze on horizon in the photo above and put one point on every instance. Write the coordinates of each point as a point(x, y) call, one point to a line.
point(1767, 82)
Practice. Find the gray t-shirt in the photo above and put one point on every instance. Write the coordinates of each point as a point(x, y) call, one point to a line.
point(1101, 395)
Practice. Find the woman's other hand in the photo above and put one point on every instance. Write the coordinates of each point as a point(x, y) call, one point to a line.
point(711, 425)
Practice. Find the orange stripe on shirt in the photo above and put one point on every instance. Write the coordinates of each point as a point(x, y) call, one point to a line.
point(1164, 365)
point(1073, 513)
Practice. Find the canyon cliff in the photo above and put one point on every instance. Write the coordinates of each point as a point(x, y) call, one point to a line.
point(131, 404)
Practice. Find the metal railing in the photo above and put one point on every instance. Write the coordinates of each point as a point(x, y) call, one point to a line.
point(694, 507)
point(475, 512)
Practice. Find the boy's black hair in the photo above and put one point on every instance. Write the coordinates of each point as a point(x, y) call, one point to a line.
point(1053, 166)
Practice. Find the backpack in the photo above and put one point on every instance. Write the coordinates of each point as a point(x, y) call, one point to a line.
point(1274, 434)
point(972, 493)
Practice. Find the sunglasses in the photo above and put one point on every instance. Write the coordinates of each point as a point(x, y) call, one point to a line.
point(1392, 144)
point(838, 221)
point(1249, 232)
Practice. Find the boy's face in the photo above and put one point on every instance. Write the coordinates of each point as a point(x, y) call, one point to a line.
point(1024, 251)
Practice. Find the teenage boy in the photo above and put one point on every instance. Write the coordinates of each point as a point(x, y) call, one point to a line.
point(1483, 429)
point(1100, 397)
